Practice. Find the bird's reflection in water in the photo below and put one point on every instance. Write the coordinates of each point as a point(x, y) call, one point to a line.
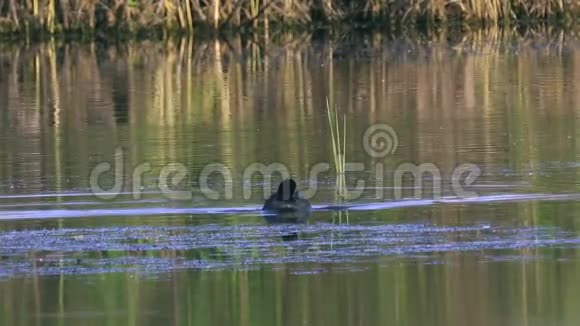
point(292, 236)
point(291, 221)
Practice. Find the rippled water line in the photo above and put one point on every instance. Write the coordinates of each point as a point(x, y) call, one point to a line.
point(74, 194)
point(84, 203)
point(151, 211)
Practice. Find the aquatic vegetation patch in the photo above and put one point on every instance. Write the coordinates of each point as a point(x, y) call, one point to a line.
point(215, 247)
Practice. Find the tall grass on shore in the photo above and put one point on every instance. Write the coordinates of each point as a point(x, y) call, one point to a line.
point(54, 16)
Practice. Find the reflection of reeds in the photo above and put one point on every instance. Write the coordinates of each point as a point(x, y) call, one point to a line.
point(183, 15)
point(181, 89)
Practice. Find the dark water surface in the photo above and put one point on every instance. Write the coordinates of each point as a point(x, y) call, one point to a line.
point(196, 249)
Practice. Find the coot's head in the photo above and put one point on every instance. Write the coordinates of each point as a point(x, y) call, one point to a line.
point(286, 190)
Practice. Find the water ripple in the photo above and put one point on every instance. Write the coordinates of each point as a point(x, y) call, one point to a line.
point(23, 214)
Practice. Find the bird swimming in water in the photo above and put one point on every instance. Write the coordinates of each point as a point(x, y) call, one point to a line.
point(287, 203)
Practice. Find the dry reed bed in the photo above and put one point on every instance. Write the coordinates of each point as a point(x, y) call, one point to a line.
point(54, 16)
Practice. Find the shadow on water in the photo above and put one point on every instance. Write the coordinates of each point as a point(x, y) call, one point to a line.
point(290, 220)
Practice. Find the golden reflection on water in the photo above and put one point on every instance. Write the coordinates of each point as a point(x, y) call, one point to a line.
point(453, 290)
point(485, 100)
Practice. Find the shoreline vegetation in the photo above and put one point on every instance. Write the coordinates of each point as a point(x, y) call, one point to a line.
point(38, 18)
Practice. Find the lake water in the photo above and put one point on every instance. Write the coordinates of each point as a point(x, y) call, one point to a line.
point(127, 192)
